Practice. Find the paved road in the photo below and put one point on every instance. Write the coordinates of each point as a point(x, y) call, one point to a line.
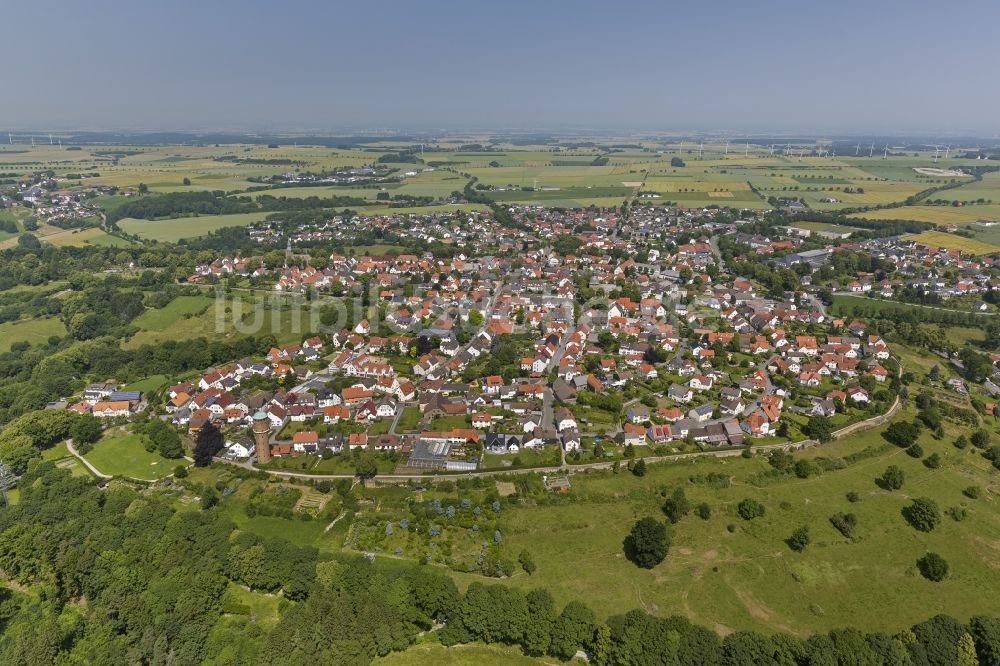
point(96, 472)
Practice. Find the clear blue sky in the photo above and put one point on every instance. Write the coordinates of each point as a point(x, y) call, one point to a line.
point(878, 65)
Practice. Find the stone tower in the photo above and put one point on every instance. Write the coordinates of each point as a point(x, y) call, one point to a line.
point(262, 436)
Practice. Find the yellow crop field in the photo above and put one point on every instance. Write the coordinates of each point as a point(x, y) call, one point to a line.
point(953, 242)
point(939, 215)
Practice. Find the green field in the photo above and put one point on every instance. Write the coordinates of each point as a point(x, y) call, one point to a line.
point(148, 384)
point(749, 578)
point(30, 330)
point(179, 308)
point(288, 324)
point(173, 230)
point(122, 454)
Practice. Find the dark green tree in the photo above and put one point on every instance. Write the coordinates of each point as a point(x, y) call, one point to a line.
point(648, 542)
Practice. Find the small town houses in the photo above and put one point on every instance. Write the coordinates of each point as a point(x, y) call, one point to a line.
point(689, 355)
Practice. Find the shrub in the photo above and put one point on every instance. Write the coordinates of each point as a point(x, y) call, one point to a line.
point(933, 461)
point(961, 442)
point(973, 492)
point(892, 478)
point(958, 513)
point(915, 451)
point(750, 509)
point(853, 497)
point(933, 567)
point(844, 523)
point(799, 539)
point(923, 514)
point(704, 511)
point(980, 439)
point(902, 433)
point(180, 472)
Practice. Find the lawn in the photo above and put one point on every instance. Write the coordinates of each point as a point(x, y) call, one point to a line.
point(122, 454)
point(748, 578)
point(148, 384)
point(31, 330)
point(409, 420)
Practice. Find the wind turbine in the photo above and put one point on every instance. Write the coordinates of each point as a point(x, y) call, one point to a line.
point(701, 146)
point(746, 153)
point(871, 149)
point(857, 149)
point(771, 149)
point(937, 150)
point(946, 151)
point(10, 139)
point(885, 154)
point(727, 147)
point(50, 138)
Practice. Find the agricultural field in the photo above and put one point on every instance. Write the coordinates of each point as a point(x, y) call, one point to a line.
point(122, 453)
point(29, 330)
point(172, 230)
point(91, 236)
point(939, 215)
point(986, 190)
point(955, 242)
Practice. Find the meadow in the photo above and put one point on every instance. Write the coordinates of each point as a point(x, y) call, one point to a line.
point(748, 577)
point(121, 453)
point(29, 330)
point(197, 316)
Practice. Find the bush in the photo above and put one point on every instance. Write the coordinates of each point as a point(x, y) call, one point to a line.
point(704, 511)
point(902, 433)
point(923, 514)
point(853, 497)
point(677, 506)
point(980, 439)
point(750, 509)
point(933, 567)
point(973, 492)
point(892, 478)
point(639, 468)
point(933, 461)
point(961, 442)
point(180, 472)
point(958, 513)
point(844, 523)
point(915, 451)
point(799, 539)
